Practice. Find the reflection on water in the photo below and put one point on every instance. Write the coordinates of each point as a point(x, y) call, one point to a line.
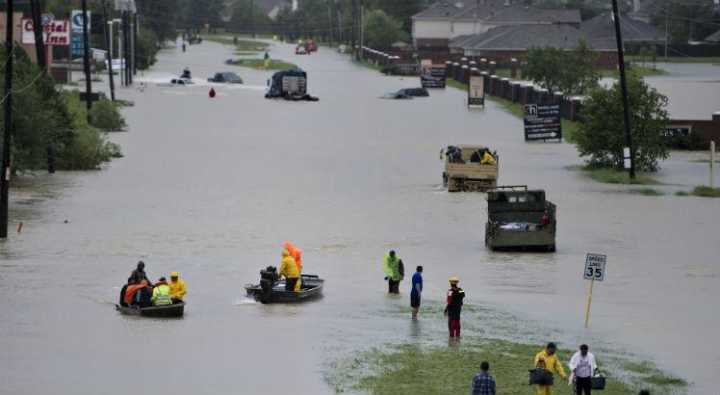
point(212, 188)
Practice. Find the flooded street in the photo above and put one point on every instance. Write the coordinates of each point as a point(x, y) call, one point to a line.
point(211, 188)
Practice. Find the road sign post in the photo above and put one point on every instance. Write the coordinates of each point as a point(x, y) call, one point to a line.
point(594, 271)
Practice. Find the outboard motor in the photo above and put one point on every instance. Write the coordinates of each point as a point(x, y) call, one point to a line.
point(268, 278)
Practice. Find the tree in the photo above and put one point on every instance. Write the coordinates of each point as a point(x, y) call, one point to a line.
point(45, 119)
point(571, 72)
point(401, 10)
point(601, 136)
point(381, 30)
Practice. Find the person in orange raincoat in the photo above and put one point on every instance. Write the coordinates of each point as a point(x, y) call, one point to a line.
point(296, 253)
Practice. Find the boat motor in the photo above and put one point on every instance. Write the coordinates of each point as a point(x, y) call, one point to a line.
point(268, 278)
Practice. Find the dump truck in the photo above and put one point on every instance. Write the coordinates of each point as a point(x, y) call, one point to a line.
point(470, 168)
point(520, 219)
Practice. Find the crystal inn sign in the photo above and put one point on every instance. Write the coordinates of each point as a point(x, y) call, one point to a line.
point(55, 32)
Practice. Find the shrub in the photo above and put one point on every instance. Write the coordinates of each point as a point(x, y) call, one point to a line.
point(105, 115)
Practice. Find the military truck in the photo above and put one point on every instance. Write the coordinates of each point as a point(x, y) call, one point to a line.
point(469, 169)
point(520, 219)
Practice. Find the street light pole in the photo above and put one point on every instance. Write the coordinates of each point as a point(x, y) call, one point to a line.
point(86, 58)
point(109, 44)
point(623, 89)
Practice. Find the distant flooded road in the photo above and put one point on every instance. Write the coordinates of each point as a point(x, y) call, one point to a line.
point(212, 187)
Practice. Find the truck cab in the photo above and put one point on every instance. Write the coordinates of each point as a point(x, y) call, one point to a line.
point(520, 219)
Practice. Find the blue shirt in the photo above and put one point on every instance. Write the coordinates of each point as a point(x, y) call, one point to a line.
point(483, 384)
point(417, 283)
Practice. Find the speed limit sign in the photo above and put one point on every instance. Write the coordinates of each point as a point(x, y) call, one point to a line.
point(595, 267)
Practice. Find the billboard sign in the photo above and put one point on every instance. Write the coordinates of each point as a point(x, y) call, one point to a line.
point(56, 32)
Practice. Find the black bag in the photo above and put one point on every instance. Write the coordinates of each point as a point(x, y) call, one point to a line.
point(598, 382)
point(541, 377)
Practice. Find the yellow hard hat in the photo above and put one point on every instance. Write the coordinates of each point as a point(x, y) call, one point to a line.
point(454, 280)
point(174, 274)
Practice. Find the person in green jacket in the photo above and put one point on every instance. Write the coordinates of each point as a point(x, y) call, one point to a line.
point(393, 268)
point(161, 293)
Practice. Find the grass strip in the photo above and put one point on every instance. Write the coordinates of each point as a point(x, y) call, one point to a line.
point(417, 369)
point(706, 191)
point(614, 176)
point(260, 64)
point(242, 45)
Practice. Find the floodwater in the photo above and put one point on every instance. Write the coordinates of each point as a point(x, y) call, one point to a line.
point(212, 187)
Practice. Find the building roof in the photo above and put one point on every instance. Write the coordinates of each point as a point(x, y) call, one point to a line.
point(499, 11)
point(441, 9)
point(713, 38)
point(602, 28)
point(523, 37)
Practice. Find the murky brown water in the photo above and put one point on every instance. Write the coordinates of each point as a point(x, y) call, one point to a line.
point(213, 187)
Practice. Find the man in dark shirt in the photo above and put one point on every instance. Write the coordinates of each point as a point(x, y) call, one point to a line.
point(483, 383)
point(455, 296)
point(139, 274)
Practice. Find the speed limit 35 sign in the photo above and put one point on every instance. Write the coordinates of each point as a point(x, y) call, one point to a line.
point(595, 267)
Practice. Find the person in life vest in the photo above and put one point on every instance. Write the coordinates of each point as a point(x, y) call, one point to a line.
point(547, 359)
point(289, 270)
point(296, 253)
point(455, 296)
point(393, 275)
point(178, 288)
point(161, 293)
point(138, 293)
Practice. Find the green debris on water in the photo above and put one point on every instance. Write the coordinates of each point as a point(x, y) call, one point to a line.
point(706, 191)
point(647, 192)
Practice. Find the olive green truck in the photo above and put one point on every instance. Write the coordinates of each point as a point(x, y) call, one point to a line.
point(520, 219)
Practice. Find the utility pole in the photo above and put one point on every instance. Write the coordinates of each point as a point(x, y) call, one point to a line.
point(252, 18)
point(136, 33)
point(362, 31)
point(667, 28)
point(109, 44)
point(86, 58)
point(330, 23)
point(5, 174)
point(623, 88)
point(36, 11)
point(131, 19)
point(121, 51)
point(354, 28)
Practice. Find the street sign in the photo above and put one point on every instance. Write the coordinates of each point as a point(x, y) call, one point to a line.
point(76, 20)
point(595, 267)
point(542, 122)
point(476, 91)
point(594, 271)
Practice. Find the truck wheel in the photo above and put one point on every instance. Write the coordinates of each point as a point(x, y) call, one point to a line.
point(551, 248)
point(452, 185)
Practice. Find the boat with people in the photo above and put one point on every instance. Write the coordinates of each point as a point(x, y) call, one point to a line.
point(162, 299)
point(175, 310)
point(271, 288)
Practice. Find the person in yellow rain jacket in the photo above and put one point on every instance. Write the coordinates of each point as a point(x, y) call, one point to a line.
point(296, 253)
point(488, 159)
point(547, 359)
point(161, 293)
point(178, 289)
point(289, 270)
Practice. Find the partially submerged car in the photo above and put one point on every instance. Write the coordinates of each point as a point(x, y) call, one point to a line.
point(226, 77)
point(407, 93)
point(301, 50)
point(181, 81)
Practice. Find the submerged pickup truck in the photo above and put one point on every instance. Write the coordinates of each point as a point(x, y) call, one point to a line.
point(520, 219)
point(470, 168)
